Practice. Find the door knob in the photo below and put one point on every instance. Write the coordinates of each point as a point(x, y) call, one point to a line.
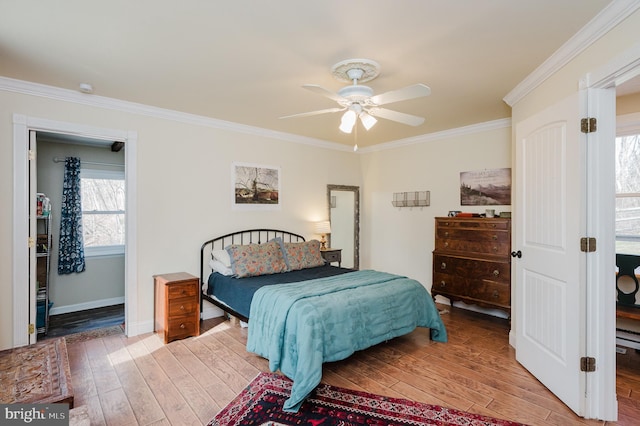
point(517, 254)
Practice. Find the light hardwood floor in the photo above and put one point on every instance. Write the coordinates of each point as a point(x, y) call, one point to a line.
point(139, 380)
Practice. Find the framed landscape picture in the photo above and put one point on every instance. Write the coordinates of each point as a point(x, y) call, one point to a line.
point(485, 187)
point(255, 187)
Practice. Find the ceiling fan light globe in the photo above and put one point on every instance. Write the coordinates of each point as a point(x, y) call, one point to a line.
point(347, 121)
point(368, 121)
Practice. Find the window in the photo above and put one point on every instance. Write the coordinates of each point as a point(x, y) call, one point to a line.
point(628, 194)
point(103, 211)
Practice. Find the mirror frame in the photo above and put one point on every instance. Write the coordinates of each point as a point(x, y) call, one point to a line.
point(356, 218)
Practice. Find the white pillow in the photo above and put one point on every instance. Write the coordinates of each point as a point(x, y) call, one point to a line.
point(222, 256)
point(219, 267)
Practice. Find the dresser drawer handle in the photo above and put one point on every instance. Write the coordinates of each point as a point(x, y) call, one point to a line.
point(446, 234)
point(446, 243)
point(182, 307)
point(495, 248)
point(496, 272)
point(495, 237)
point(443, 265)
point(182, 325)
point(496, 294)
point(493, 225)
point(446, 223)
point(443, 284)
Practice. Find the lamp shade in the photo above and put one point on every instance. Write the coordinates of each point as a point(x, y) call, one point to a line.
point(323, 227)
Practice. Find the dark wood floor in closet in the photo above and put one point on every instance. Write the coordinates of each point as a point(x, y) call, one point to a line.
point(74, 322)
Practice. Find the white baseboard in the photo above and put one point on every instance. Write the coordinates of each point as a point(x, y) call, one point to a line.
point(57, 310)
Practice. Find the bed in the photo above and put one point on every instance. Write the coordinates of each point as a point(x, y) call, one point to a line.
point(302, 312)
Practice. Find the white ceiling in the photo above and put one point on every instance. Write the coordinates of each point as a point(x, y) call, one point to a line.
point(245, 61)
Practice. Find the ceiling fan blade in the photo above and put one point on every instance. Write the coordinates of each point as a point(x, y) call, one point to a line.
point(406, 93)
point(400, 117)
point(308, 114)
point(324, 92)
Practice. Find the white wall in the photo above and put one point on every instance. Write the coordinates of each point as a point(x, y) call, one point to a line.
point(401, 240)
point(102, 282)
point(184, 182)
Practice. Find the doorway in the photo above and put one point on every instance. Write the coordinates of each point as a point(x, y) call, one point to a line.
point(93, 298)
point(24, 319)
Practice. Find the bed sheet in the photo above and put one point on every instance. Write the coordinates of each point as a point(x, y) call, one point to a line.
point(237, 293)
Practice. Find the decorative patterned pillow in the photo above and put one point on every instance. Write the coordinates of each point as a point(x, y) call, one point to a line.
point(303, 255)
point(250, 260)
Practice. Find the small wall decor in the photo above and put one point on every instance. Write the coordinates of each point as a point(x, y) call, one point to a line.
point(411, 199)
point(485, 187)
point(255, 187)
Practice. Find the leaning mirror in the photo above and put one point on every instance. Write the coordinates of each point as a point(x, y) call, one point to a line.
point(343, 203)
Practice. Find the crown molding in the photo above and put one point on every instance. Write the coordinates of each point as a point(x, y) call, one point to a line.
point(56, 93)
point(66, 95)
point(601, 24)
point(445, 134)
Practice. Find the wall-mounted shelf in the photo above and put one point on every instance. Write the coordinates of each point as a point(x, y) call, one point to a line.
point(411, 199)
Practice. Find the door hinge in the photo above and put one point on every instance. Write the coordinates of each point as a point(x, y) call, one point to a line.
point(32, 155)
point(587, 364)
point(31, 242)
point(32, 329)
point(588, 125)
point(587, 244)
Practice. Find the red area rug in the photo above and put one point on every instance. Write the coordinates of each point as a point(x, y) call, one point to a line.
point(261, 404)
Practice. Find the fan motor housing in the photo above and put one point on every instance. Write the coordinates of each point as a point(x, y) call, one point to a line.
point(356, 93)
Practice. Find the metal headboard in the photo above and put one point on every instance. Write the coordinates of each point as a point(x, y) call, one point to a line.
point(250, 236)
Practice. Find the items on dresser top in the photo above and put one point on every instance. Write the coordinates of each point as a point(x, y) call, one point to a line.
point(472, 261)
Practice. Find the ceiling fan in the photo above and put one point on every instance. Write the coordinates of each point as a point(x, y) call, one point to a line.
point(358, 101)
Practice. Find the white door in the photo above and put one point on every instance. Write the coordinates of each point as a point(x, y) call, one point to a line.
point(33, 335)
point(549, 221)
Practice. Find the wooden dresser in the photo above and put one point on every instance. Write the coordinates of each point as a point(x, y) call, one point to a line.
point(177, 305)
point(472, 261)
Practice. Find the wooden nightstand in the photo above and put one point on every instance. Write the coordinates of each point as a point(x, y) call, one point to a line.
point(332, 255)
point(177, 313)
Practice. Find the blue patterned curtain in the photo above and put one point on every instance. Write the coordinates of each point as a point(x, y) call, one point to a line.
point(71, 249)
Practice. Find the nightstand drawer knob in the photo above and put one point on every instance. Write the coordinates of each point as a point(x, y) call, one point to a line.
point(443, 284)
point(182, 325)
point(443, 265)
point(446, 234)
point(495, 237)
point(446, 243)
point(182, 307)
point(496, 272)
point(496, 294)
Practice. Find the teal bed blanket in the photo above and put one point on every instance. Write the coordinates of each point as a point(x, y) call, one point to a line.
point(299, 326)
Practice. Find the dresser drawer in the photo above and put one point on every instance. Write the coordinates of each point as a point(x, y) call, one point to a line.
point(179, 328)
point(465, 246)
point(472, 268)
point(187, 289)
point(445, 283)
point(491, 292)
point(488, 236)
point(182, 306)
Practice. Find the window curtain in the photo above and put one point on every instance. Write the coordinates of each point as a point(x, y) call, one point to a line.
point(71, 248)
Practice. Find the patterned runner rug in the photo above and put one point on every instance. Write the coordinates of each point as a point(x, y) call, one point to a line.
point(261, 404)
point(83, 336)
